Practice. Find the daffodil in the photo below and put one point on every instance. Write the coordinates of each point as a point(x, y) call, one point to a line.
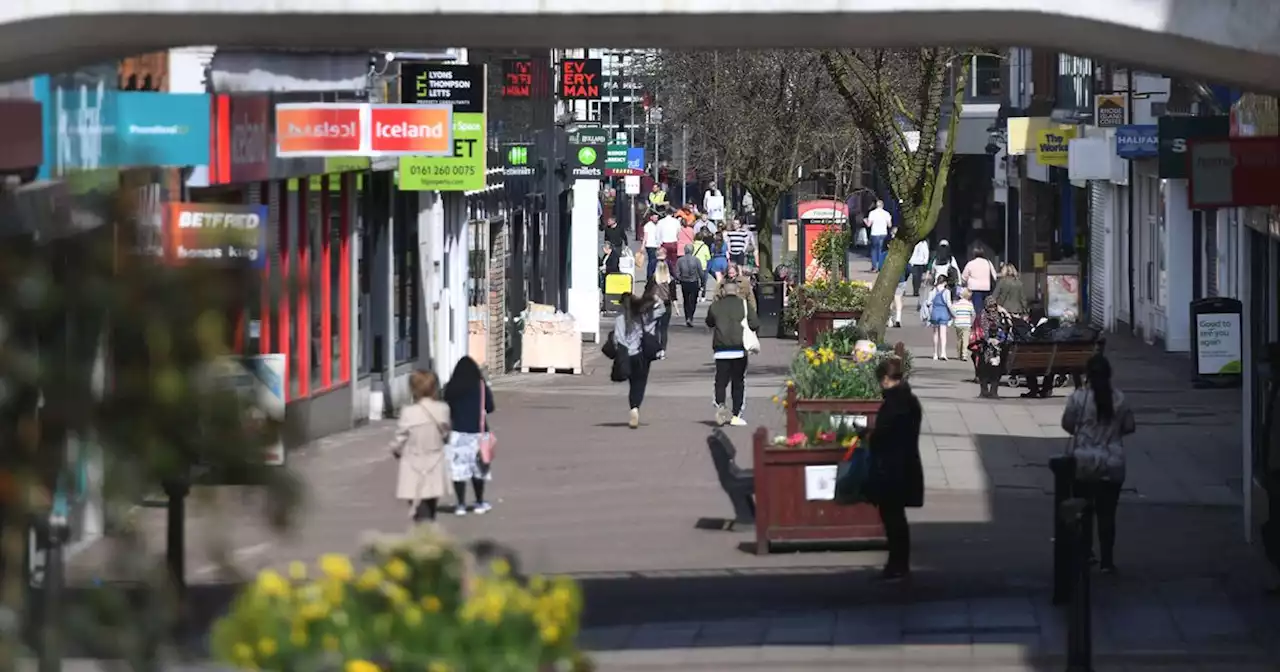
point(267, 647)
point(298, 637)
point(550, 634)
point(412, 616)
point(297, 571)
point(500, 567)
point(369, 579)
point(361, 666)
point(397, 569)
point(430, 603)
point(336, 566)
point(243, 653)
point(270, 583)
point(330, 643)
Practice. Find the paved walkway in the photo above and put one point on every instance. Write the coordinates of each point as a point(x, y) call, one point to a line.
point(577, 492)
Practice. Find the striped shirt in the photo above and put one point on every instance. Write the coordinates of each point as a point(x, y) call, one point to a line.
point(963, 311)
point(737, 241)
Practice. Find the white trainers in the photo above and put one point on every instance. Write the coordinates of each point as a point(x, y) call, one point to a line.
point(737, 421)
point(482, 508)
point(634, 421)
point(460, 510)
point(722, 416)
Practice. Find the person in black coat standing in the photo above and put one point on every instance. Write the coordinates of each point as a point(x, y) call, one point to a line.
point(896, 480)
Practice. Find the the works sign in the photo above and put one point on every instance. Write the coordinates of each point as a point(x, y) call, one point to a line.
point(461, 86)
point(1234, 172)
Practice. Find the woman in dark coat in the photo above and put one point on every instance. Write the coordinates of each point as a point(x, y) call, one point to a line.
point(896, 480)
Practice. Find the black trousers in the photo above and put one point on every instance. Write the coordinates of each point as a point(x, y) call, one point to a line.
point(689, 292)
point(1104, 498)
point(664, 327)
point(426, 510)
point(639, 380)
point(988, 378)
point(460, 490)
point(917, 274)
point(732, 373)
point(898, 534)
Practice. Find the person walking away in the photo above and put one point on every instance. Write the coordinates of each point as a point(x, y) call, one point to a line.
point(979, 275)
point(900, 291)
point(990, 351)
point(651, 244)
point(879, 221)
point(940, 316)
point(944, 265)
point(610, 262)
point(470, 404)
point(627, 262)
point(725, 317)
point(668, 237)
point(684, 240)
point(737, 239)
point(1009, 293)
point(615, 235)
point(896, 479)
point(713, 203)
point(1098, 418)
point(702, 251)
point(962, 325)
point(419, 446)
point(689, 274)
point(635, 323)
point(718, 265)
point(918, 265)
point(662, 288)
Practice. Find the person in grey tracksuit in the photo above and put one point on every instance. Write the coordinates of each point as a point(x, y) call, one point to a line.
point(689, 275)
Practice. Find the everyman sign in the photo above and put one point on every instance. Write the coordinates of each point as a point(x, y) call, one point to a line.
point(580, 78)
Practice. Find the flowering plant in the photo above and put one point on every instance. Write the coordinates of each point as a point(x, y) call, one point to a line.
point(844, 296)
point(419, 603)
point(822, 430)
point(819, 373)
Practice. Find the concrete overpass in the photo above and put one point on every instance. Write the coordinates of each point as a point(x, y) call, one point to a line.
point(1226, 41)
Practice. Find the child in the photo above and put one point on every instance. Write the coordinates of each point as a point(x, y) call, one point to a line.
point(940, 316)
point(962, 325)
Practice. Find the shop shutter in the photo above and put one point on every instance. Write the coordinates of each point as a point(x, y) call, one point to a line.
point(1099, 203)
point(1210, 219)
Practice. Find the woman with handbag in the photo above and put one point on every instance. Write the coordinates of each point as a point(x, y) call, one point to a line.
point(419, 445)
point(471, 442)
point(1098, 418)
point(635, 335)
point(733, 321)
point(895, 480)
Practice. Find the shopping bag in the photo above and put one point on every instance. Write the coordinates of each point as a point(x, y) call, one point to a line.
point(488, 441)
point(852, 474)
point(750, 341)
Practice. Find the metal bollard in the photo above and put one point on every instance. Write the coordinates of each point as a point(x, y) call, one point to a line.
point(1074, 512)
point(1064, 471)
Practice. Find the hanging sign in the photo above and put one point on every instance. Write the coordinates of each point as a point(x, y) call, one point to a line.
point(580, 78)
point(461, 86)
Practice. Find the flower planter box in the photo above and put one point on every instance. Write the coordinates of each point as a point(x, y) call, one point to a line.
point(784, 513)
point(855, 407)
point(823, 320)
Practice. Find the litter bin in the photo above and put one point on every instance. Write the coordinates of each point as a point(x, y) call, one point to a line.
point(769, 308)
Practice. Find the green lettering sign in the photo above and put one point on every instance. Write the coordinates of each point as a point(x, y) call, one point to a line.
point(464, 171)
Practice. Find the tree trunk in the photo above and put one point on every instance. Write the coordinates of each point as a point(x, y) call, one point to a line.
point(876, 315)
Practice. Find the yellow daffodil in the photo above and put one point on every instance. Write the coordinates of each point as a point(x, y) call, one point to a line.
point(550, 634)
point(791, 383)
point(298, 637)
point(361, 666)
point(330, 643)
point(777, 399)
point(298, 571)
point(430, 603)
point(270, 583)
point(243, 653)
point(397, 569)
point(336, 566)
point(267, 647)
point(500, 567)
point(369, 579)
point(437, 666)
point(412, 616)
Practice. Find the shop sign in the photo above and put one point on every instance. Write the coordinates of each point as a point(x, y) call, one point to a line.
point(21, 135)
point(1110, 110)
point(1053, 146)
point(163, 129)
point(351, 129)
point(580, 78)
point(84, 128)
point(1138, 141)
point(1218, 344)
point(461, 86)
point(517, 78)
point(586, 161)
point(1175, 135)
point(1234, 172)
point(246, 135)
point(519, 161)
point(463, 170)
point(215, 233)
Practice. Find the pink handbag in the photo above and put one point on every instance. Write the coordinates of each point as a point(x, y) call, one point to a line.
point(488, 442)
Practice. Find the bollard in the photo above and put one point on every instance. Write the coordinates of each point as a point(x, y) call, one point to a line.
point(1064, 471)
point(50, 635)
point(1074, 512)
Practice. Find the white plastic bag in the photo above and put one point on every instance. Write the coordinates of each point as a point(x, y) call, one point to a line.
point(750, 341)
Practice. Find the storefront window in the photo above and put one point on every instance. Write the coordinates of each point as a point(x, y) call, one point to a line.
point(407, 284)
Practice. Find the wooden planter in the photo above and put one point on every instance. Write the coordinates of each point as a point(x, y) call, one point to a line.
point(797, 406)
point(823, 320)
point(783, 514)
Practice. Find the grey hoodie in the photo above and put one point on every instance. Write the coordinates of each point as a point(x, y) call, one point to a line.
point(688, 268)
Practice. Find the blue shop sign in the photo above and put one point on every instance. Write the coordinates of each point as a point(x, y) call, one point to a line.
point(635, 158)
point(162, 129)
point(1138, 142)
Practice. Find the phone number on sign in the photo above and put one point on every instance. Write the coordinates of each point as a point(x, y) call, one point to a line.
point(442, 171)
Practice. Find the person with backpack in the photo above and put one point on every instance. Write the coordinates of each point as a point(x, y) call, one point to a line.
point(729, 316)
point(635, 338)
point(1098, 417)
point(945, 266)
point(940, 315)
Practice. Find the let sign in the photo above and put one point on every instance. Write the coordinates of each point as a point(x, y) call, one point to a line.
point(580, 78)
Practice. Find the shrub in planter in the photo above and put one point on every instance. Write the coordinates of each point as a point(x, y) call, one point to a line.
point(416, 603)
point(842, 296)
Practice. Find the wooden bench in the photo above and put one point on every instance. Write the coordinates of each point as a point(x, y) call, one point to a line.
point(1050, 358)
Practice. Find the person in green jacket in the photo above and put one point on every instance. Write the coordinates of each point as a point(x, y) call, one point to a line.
point(702, 252)
point(1009, 292)
point(725, 316)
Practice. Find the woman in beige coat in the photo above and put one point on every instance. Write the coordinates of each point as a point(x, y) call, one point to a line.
point(419, 445)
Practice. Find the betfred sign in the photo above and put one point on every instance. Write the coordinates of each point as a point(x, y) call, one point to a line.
point(319, 129)
point(1235, 172)
point(216, 233)
point(347, 129)
point(580, 78)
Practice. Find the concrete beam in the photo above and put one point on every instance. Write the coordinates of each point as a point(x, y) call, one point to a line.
point(1225, 41)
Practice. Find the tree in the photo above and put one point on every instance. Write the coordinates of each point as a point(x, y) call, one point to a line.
point(888, 93)
point(761, 117)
